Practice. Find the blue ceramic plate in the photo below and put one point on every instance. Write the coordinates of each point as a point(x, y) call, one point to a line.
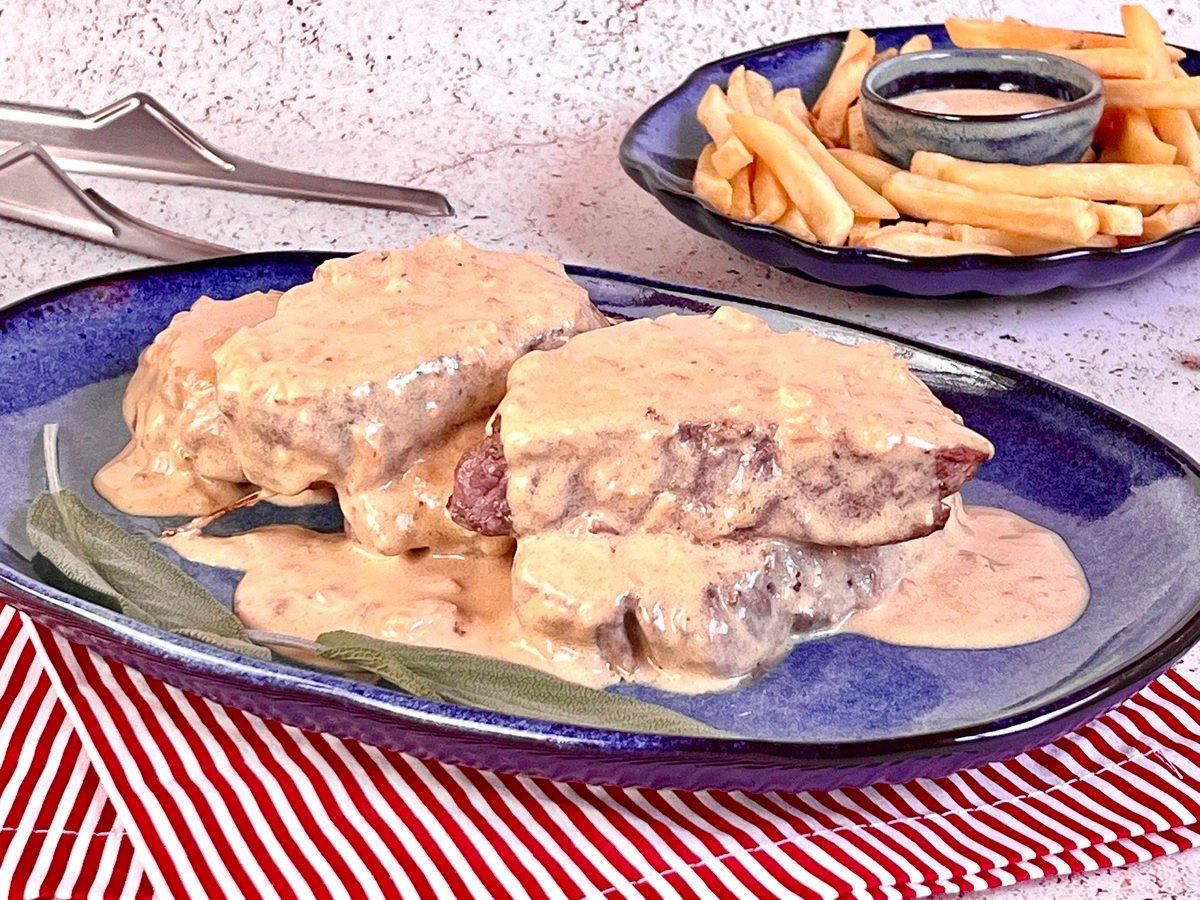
point(659, 153)
point(841, 710)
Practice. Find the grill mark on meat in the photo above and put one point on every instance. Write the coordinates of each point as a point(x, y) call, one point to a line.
point(722, 452)
point(480, 497)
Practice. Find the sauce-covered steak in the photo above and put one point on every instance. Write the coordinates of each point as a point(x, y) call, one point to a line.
point(717, 427)
point(364, 371)
point(660, 602)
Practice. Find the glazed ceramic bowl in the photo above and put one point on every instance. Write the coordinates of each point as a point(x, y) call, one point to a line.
point(1057, 134)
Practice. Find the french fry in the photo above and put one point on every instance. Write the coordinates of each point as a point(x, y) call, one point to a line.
point(1153, 93)
point(731, 157)
point(1017, 35)
point(1059, 218)
point(1115, 219)
point(871, 169)
point(1180, 73)
point(1022, 244)
point(711, 187)
point(1020, 35)
point(1102, 242)
point(937, 229)
point(1112, 62)
point(912, 243)
point(713, 113)
point(793, 101)
point(885, 54)
point(860, 229)
point(760, 91)
point(769, 198)
point(1143, 32)
point(743, 202)
point(810, 189)
point(929, 164)
point(843, 87)
point(1173, 125)
point(794, 223)
point(863, 199)
point(1119, 182)
point(817, 176)
point(1171, 218)
point(738, 91)
point(918, 43)
point(1129, 133)
point(856, 132)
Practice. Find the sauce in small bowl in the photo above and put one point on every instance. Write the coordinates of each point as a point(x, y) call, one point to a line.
point(1016, 106)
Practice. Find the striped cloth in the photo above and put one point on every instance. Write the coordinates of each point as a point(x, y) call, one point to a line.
point(161, 792)
point(60, 836)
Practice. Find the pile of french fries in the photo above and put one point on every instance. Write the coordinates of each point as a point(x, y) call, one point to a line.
point(815, 175)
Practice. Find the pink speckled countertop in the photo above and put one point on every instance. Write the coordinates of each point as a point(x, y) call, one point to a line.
point(515, 110)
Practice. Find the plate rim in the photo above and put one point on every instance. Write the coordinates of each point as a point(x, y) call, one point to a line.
point(896, 262)
point(464, 721)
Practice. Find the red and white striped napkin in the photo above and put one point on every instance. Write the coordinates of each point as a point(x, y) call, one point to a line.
point(115, 785)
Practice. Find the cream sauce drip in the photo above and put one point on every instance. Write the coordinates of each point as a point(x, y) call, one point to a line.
point(977, 102)
point(179, 460)
point(990, 579)
point(303, 583)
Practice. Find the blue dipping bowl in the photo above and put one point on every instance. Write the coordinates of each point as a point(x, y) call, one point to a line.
point(1058, 134)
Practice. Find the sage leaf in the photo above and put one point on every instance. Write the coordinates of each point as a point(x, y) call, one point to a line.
point(507, 687)
point(98, 560)
point(233, 645)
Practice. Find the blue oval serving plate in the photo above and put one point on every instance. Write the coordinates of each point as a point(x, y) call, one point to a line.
point(659, 152)
point(839, 711)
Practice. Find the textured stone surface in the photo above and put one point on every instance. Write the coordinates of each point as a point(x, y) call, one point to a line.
point(515, 110)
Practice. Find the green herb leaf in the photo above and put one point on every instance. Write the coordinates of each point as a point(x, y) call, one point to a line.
point(233, 645)
point(487, 683)
point(98, 559)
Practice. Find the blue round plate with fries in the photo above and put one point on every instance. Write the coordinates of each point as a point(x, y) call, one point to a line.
point(661, 150)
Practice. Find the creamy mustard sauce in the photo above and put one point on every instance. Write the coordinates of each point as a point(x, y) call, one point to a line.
point(371, 380)
point(179, 460)
point(663, 607)
point(990, 579)
point(977, 102)
point(303, 583)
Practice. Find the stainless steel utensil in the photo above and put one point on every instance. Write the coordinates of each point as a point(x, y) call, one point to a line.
point(34, 190)
point(137, 137)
